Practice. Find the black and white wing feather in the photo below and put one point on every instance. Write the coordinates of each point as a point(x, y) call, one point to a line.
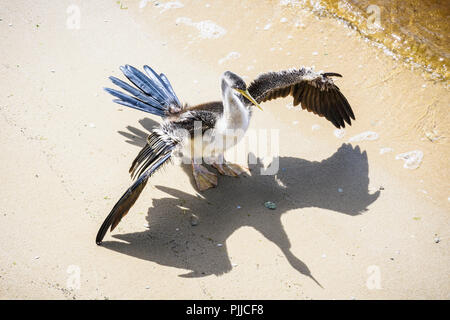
point(159, 148)
point(315, 91)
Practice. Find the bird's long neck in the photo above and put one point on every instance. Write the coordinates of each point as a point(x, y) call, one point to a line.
point(235, 113)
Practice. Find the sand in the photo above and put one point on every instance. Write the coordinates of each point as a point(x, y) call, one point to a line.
point(349, 215)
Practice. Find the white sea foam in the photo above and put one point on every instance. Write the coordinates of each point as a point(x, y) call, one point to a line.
point(290, 2)
point(170, 5)
point(368, 135)
point(267, 26)
point(208, 29)
point(163, 5)
point(385, 150)
point(231, 55)
point(339, 133)
point(143, 4)
point(412, 159)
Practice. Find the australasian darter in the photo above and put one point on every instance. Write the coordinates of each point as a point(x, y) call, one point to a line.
point(154, 94)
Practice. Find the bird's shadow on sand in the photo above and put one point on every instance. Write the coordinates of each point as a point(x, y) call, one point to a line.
point(339, 183)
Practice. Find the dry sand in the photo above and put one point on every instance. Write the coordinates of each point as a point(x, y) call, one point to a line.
point(65, 160)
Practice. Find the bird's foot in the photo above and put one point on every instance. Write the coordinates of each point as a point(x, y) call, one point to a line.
point(204, 178)
point(230, 169)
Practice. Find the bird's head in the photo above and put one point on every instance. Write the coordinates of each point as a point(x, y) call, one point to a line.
point(237, 84)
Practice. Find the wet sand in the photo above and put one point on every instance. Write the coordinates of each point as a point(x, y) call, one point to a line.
point(355, 220)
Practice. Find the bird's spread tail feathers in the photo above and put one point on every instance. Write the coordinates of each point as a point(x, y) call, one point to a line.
point(158, 151)
point(151, 93)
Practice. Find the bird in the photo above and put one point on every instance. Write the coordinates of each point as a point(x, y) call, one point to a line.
point(216, 121)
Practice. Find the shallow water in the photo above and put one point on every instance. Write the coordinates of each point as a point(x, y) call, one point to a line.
point(414, 31)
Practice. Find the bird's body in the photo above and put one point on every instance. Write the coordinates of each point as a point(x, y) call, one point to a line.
point(207, 130)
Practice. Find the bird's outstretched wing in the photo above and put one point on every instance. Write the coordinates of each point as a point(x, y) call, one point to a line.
point(315, 91)
point(157, 152)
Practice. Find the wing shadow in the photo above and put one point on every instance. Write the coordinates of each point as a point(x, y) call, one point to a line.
point(136, 136)
point(299, 184)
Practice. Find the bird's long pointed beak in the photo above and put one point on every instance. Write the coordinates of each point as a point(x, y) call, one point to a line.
point(249, 97)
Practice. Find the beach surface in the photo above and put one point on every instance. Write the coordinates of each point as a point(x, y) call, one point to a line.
point(353, 219)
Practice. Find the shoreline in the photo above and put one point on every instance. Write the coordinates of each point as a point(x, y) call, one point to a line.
point(344, 207)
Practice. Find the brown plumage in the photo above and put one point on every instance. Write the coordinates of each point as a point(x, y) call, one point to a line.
point(315, 91)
